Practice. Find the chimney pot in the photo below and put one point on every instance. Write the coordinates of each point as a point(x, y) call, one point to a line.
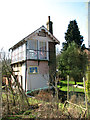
point(50, 25)
point(48, 18)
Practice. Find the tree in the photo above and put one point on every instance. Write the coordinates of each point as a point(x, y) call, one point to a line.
point(62, 68)
point(75, 61)
point(73, 34)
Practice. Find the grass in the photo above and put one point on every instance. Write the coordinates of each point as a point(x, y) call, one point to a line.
point(71, 89)
point(63, 85)
point(70, 82)
point(31, 100)
point(12, 118)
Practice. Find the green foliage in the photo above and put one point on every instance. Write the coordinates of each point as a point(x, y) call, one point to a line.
point(88, 83)
point(27, 112)
point(61, 67)
point(73, 62)
point(73, 34)
point(12, 118)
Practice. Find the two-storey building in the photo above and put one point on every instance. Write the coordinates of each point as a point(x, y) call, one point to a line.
point(33, 59)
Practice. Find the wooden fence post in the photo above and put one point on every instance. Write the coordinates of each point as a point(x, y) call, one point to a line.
point(84, 79)
point(56, 91)
point(67, 87)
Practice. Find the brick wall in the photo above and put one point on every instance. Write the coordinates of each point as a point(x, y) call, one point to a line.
point(42, 66)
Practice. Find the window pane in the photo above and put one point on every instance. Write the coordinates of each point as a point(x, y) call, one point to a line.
point(42, 46)
point(42, 55)
point(31, 54)
point(32, 44)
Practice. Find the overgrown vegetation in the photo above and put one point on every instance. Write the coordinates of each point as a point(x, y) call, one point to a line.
point(49, 103)
point(45, 107)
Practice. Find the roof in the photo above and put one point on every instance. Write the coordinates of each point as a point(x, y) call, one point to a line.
point(36, 31)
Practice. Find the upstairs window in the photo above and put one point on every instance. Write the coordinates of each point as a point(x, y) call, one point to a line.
point(42, 53)
point(42, 46)
point(18, 54)
point(37, 50)
point(32, 44)
point(32, 54)
point(32, 49)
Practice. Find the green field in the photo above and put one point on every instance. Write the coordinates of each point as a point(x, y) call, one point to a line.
point(63, 85)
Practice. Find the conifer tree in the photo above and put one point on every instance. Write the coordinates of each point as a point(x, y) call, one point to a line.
point(73, 34)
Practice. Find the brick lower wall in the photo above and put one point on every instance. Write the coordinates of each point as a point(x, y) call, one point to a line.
point(42, 66)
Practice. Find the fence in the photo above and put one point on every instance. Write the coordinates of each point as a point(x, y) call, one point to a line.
point(76, 96)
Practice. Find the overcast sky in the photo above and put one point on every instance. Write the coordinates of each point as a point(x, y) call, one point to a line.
point(19, 18)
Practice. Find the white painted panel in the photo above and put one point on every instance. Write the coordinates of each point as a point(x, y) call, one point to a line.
point(23, 75)
point(36, 81)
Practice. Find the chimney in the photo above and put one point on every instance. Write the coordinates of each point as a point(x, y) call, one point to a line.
point(50, 25)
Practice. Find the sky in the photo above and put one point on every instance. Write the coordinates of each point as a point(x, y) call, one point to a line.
point(19, 18)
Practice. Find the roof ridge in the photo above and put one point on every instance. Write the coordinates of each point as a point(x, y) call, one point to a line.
point(24, 39)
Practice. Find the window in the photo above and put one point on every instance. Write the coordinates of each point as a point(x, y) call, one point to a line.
point(18, 54)
point(42, 50)
point(32, 44)
point(31, 54)
point(32, 49)
point(37, 50)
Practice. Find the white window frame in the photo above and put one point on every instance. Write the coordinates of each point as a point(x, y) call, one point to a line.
point(37, 50)
point(45, 51)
